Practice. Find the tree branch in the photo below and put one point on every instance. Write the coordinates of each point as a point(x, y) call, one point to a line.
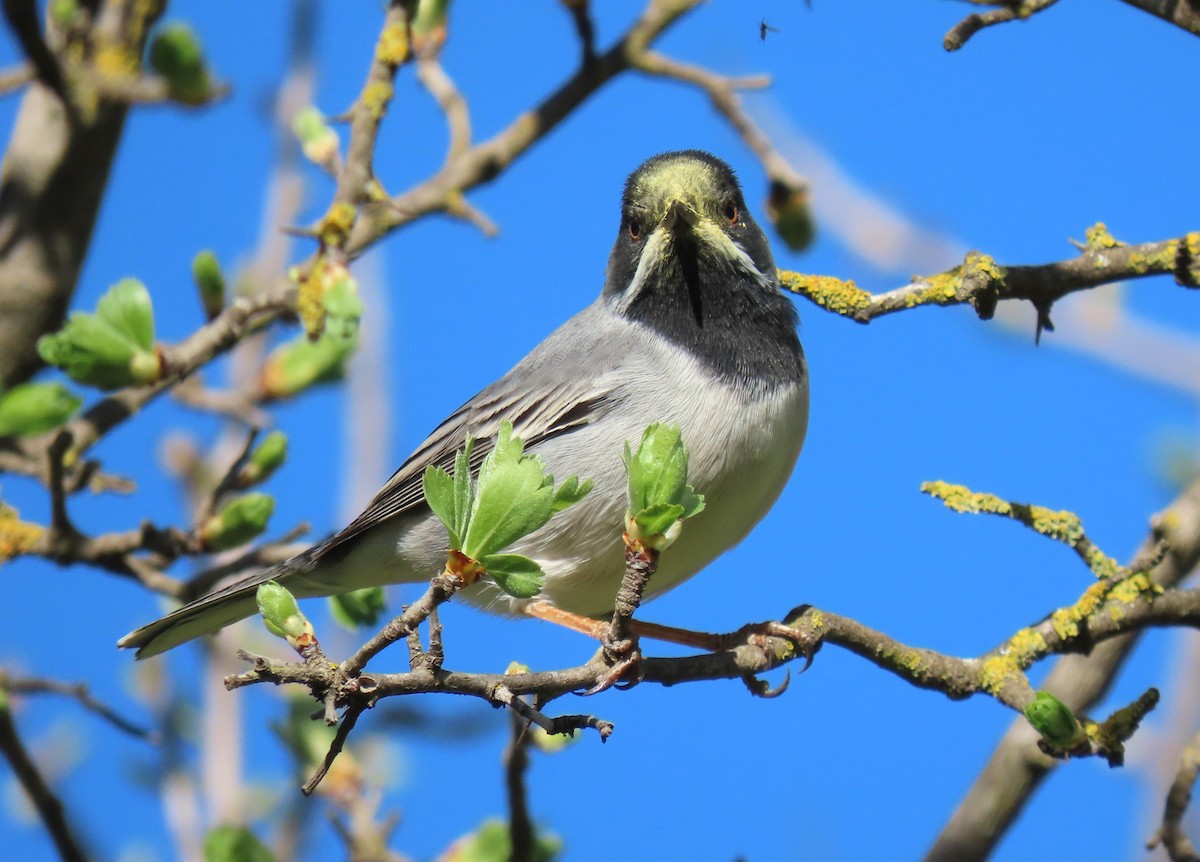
point(49, 807)
point(484, 161)
point(52, 182)
point(1016, 768)
point(1171, 834)
point(981, 282)
point(1010, 10)
point(1184, 14)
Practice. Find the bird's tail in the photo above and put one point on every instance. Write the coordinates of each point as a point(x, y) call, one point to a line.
point(213, 612)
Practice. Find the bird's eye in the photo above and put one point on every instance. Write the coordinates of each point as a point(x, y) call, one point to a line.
point(635, 229)
point(730, 211)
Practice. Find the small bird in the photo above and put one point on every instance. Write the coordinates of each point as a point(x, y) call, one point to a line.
point(691, 329)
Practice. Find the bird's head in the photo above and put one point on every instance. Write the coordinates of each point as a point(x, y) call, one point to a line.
point(686, 237)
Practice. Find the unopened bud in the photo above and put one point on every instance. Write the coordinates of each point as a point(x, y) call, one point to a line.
point(317, 139)
point(237, 522)
point(264, 460)
point(1054, 720)
point(32, 408)
point(206, 272)
point(297, 364)
point(282, 616)
point(788, 209)
point(175, 54)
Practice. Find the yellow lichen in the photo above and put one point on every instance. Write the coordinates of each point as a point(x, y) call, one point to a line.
point(1062, 525)
point(1098, 237)
point(1102, 565)
point(1134, 587)
point(16, 536)
point(392, 47)
point(960, 498)
point(334, 227)
point(985, 264)
point(1026, 644)
point(836, 295)
point(375, 98)
point(1065, 623)
point(997, 671)
point(1092, 598)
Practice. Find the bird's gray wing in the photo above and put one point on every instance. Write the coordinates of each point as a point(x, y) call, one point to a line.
point(566, 383)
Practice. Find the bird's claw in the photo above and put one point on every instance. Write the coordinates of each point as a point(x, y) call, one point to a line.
point(624, 659)
point(759, 635)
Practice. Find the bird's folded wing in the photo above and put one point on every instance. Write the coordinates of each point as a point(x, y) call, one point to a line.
point(536, 415)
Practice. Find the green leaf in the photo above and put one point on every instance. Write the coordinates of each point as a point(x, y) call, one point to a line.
point(513, 497)
point(517, 575)
point(126, 307)
point(450, 496)
point(659, 495)
point(113, 347)
point(358, 608)
point(234, 844)
point(658, 519)
point(438, 487)
point(570, 492)
point(692, 503)
point(32, 408)
point(343, 310)
point(464, 489)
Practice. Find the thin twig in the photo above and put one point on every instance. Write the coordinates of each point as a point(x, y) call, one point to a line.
point(15, 78)
point(441, 588)
point(516, 762)
point(458, 118)
point(1010, 10)
point(1171, 834)
point(486, 160)
point(581, 17)
point(48, 806)
point(722, 92)
point(79, 692)
point(335, 748)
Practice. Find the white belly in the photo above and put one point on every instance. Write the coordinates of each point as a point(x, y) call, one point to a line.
point(742, 447)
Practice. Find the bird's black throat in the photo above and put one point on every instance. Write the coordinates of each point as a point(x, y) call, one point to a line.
point(742, 330)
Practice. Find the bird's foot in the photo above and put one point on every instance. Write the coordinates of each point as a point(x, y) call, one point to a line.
point(762, 634)
point(624, 659)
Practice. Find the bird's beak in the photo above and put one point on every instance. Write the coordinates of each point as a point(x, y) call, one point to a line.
point(680, 221)
point(679, 217)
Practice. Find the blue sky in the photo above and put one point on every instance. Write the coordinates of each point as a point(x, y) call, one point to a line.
point(1028, 135)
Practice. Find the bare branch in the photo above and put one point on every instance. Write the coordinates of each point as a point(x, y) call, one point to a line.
point(335, 748)
point(79, 692)
point(1171, 834)
point(1010, 10)
point(982, 282)
point(484, 161)
point(52, 182)
point(516, 762)
point(722, 92)
point(1016, 768)
point(49, 807)
point(1184, 14)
